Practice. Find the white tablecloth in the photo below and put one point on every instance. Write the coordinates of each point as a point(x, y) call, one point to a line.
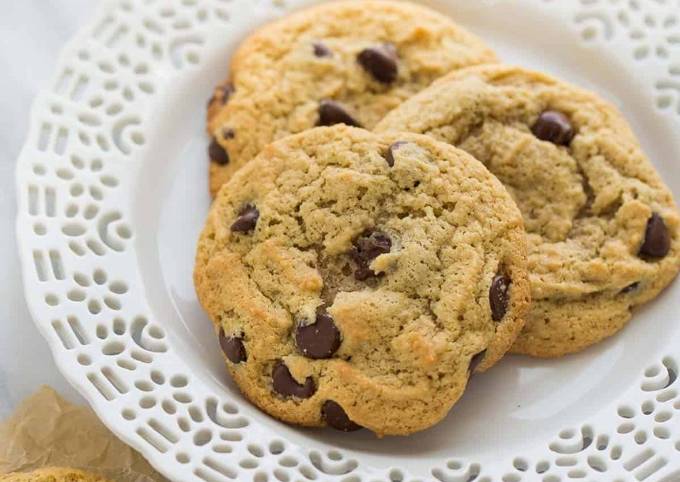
point(31, 35)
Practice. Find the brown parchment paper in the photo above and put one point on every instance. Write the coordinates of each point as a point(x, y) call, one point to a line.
point(48, 431)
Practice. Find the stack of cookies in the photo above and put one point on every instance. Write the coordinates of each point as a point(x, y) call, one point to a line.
point(395, 210)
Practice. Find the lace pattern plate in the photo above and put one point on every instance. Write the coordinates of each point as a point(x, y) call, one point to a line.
point(112, 194)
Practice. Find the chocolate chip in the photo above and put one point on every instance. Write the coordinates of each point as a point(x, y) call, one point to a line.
point(284, 383)
point(217, 153)
point(247, 219)
point(389, 156)
point(367, 247)
point(222, 93)
point(476, 360)
point(232, 346)
point(498, 296)
point(630, 288)
point(555, 127)
point(321, 50)
point(335, 416)
point(228, 90)
point(228, 133)
point(331, 113)
point(320, 339)
point(380, 62)
point(657, 241)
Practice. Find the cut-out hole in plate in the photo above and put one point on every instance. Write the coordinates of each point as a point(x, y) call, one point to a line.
point(202, 437)
point(178, 381)
point(256, 450)
point(288, 461)
point(248, 463)
point(129, 414)
point(511, 478)
point(222, 448)
point(233, 436)
point(277, 447)
point(84, 359)
point(113, 348)
point(169, 407)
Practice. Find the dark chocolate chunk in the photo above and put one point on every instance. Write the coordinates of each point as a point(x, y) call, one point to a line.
point(389, 156)
point(320, 339)
point(284, 383)
point(222, 93)
point(367, 247)
point(321, 50)
point(498, 296)
point(380, 62)
point(334, 415)
point(217, 153)
point(657, 241)
point(630, 288)
point(555, 127)
point(246, 220)
point(233, 348)
point(331, 113)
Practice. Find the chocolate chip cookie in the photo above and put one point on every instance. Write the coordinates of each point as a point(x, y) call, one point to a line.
point(357, 280)
point(602, 226)
point(346, 62)
point(52, 474)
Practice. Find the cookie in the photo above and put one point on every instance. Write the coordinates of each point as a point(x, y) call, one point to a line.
point(602, 226)
point(356, 280)
point(52, 474)
point(340, 62)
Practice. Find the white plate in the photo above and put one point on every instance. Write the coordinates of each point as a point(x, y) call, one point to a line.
point(112, 195)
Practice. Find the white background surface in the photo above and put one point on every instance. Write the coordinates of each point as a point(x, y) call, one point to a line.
point(32, 33)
